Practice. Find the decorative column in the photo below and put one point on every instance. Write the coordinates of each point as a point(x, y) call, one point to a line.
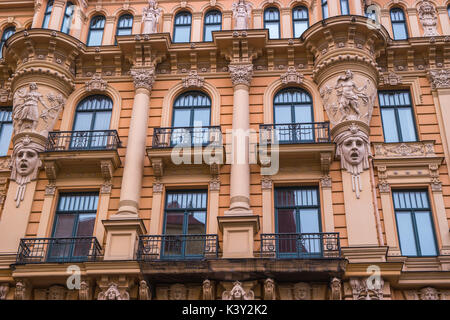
point(57, 14)
point(239, 224)
point(37, 14)
point(124, 227)
point(108, 34)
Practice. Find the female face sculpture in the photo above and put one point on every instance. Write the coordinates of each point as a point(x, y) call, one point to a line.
point(26, 160)
point(353, 149)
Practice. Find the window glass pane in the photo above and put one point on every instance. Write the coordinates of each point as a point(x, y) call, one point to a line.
point(299, 28)
point(67, 21)
point(95, 38)
point(102, 120)
point(174, 222)
point(86, 225)
point(5, 138)
point(407, 124)
point(389, 125)
point(324, 9)
point(344, 7)
point(425, 233)
point(196, 222)
point(406, 234)
point(208, 31)
point(283, 114)
point(83, 121)
point(399, 30)
point(182, 118)
point(182, 34)
point(309, 221)
point(201, 117)
point(274, 30)
point(302, 113)
point(286, 221)
point(64, 225)
point(47, 14)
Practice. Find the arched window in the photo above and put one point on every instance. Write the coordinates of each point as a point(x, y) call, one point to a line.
point(92, 120)
point(213, 22)
point(68, 15)
point(47, 14)
point(325, 9)
point(96, 28)
point(6, 128)
point(399, 24)
point(182, 27)
point(300, 20)
point(272, 22)
point(293, 115)
point(124, 25)
point(6, 34)
point(345, 10)
point(192, 113)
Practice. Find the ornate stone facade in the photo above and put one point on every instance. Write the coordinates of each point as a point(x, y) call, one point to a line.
point(241, 74)
point(150, 17)
point(241, 13)
point(238, 293)
point(143, 77)
point(113, 293)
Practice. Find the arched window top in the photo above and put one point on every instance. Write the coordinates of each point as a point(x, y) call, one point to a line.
point(213, 17)
point(98, 22)
point(300, 13)
point(125, 21)
point(292, 95)
point(397, 15)
point(67, 21)
point(183, 18)
point(192, 99)
point(8, 33)
point(49, 7)
point(271, 14)
point(95, 103)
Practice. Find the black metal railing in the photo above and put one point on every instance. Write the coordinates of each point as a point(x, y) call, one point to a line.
point(187, 137)
point(177, 247)
point(58, 250)
point(83, 140)
point(294, 133)
point(301, 245)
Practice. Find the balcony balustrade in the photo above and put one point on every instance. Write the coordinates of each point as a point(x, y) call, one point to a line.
point(187, 137)
point(83, 140)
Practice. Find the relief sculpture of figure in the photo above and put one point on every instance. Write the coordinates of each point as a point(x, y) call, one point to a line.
point(348, 95)
point(150, 17)
point(25, 111)
point(241, 15)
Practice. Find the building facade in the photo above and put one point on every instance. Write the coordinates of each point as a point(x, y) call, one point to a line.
point(234, 149)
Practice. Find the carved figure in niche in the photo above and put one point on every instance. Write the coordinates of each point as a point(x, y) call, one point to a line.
point(352, 146)
point(302, 291)
point(241, 14)
point(348, 95)
point(83, 293)
point(428, 18)
point(26, 113)
point(19, 293)
point(429, 293)
point(208, 290)
point(144, 291)
point(25, 165)
point(150, 17)
point(336, 291)
point(56, 293)
point(113, 293)
point(4, 289)
point(269, 289)
point(238, 293)
point(177, 292)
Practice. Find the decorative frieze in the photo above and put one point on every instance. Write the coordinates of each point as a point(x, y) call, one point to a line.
point(96, 83)
point(365, 289)
point(177, 291)
point(193, 80)
point(440, 78)
point(292, 76)
point(113, 293)
point(404, 149)
point(241, 74)
point(302, 291)
point(427, 293)
point(143, 77)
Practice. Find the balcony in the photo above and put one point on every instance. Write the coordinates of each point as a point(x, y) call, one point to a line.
point(178, 247)
point(190, 148)
point(84, 152)
point(296, 142)
point(58, 250)
point(301, 245)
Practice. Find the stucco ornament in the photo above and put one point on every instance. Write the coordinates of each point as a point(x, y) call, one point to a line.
point(4, 289)
point(193, 80)
point(143, 77)
point(302, 291)
point(428, 293)
point(440, 78)
point(19, 293)
point(428, 18)
point(144, 291)
point(353, 148)
point(177, 292)
point(269, 289)
point(336, 289)
point(25, 165)
point(241, 13)
point(56, 293)
point(363, 290)
point(238, 293)
point(150, 17)
point(241, 74)
point(346, 101)
point(113, 293)
point(208, 290)
point(84, 292)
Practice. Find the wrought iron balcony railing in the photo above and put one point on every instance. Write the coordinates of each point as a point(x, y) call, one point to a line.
point(187, 137)
point(83, 140)
point(295, 133)
point(58, 250)
point(301, 245)
point(177, 247)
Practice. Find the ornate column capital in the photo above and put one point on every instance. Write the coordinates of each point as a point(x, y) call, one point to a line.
point(143, 77)
point(266, 183)
point(440, 78)
point(325, 182)
point(241, 74)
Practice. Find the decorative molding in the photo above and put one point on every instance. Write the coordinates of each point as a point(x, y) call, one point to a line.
point(158, 167)
point(292, 76)
point(404, 149)
point(241, 74)
point(208, 290)
point(440, 78)
point(392, 79)
point(143, 77)
point(325, 162)
point(238, 293)
point(325, 182)
point(177, 291)
point(214, 184)
point(113, 293)
point(158, 187)
point(302, 291)
point(266, 183)
point(384, 187)
point(107, 169)
point(269, 289)
point(4, 290)
point(50, 188)
point(436, 184)
point(427, 293)
point(193, 80)
point(96, 83)
point(364, 289)
point(106, 187)
point(428, 18)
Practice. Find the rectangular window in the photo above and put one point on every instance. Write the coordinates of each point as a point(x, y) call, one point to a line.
point(75, 218)
point(414, 223)
point(185, 224)
point(344, 7)
point(397, 116)
point(6, 128)
point(324, 9)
